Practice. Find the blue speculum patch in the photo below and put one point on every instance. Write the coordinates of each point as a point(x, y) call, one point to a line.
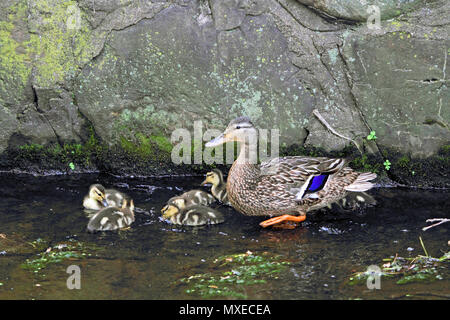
point(317, 183)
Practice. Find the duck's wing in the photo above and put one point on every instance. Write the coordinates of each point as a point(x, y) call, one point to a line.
point(290, 176)
point(293, 170)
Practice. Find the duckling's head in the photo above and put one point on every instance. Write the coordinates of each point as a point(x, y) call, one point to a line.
point(173, 207)
point(169, 211)
point(97, 192)
point(240, 129)
point(215, 177)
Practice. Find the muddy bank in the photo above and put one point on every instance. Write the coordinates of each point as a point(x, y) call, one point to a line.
point(393, 169)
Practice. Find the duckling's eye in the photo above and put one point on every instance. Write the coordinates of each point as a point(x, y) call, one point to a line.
point(238, 127)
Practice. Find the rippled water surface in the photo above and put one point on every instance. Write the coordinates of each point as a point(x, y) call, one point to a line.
point(150, 260)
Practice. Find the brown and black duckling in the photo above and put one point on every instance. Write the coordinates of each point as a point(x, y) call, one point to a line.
point(219, 186)
point(191, 198)
point(356, 200)
point(194, 215)
point(99, 198)
point(112, 218)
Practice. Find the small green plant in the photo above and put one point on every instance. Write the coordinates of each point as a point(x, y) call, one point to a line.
point(72, 166)
point(372, 136)
point(233, 273)
point(387, 164)
point(70, 250)
point(406, 270)
point(47, 258)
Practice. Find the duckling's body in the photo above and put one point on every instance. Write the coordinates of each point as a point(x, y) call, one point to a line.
point(219, 186)
point(284, 187)
point(112, 218)
point(356, 200)
point(193, 197)
point(99, 198)
point(194, 215)
point(115, 198)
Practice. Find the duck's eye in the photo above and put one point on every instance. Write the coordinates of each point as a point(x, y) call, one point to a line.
point(238, 127)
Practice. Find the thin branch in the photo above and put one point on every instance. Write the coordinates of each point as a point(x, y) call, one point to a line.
point(440, 221)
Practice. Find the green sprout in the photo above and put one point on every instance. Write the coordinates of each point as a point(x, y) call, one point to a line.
point(371, 136)
point(72, 166)
point(387, 164)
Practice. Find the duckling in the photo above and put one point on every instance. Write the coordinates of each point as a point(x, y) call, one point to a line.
point(219, 186)
point(99, 198)
point(191, 198)
point(96, 198)
point(356, 200)
point(112, 218)
point(194, 215)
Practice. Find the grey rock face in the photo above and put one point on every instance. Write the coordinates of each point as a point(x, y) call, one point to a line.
point(130, 69)
point(405, 95)
point(358, 9)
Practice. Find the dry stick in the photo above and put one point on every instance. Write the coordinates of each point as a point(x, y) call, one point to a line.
point(395, 258)
point(441, 221)
point(327, 125)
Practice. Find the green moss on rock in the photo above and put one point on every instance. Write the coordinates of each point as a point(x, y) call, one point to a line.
point(56, 49)
point(15, 63)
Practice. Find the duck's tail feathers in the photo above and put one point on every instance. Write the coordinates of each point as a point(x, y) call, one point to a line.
point(362, 182)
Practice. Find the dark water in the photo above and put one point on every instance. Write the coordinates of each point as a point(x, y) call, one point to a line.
point(148, 261)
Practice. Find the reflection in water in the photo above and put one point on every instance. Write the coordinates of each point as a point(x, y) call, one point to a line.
point(148, 261)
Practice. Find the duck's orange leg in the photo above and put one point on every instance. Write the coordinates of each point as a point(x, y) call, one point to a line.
point(281, 219)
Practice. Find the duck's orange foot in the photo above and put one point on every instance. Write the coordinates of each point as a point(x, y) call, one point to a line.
point(283, 221)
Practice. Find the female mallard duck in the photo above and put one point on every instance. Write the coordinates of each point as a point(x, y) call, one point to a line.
point(194, 215)
point(99, 198)
point(284, 187)
point(219, 186)
point(112, 218)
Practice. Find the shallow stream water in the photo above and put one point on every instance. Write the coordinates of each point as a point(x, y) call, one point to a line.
point(150, 260)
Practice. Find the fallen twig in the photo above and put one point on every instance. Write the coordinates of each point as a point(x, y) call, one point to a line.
point(441, 221)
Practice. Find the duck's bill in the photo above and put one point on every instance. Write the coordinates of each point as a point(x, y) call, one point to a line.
point(216, 142)
point(168, 211)
point(104, 202)
point(205, 183)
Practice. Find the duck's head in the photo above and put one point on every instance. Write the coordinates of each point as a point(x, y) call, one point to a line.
point(214, 177)
point(97, 192)
point(240, 129)
point(173, 207)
